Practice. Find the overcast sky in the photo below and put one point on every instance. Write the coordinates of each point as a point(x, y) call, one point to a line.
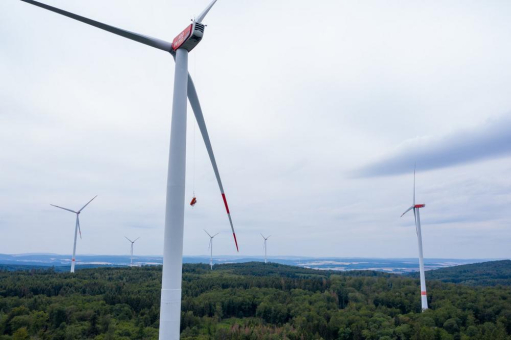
point(317, 111)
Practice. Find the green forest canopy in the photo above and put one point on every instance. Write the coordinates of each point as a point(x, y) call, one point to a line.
point(247, 301)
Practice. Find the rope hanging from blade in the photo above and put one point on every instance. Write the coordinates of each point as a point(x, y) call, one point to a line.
point(194, 198)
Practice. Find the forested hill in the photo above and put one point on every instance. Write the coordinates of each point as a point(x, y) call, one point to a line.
point(247, 301)
point(478, 274)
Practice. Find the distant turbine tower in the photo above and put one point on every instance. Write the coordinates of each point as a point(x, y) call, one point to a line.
point(265, 239)
point(416, 214)
point(183, 43)
point(211, 248)
point(132, 242)
point(77, 229)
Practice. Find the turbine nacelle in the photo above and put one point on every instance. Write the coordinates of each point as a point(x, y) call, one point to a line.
point(416, 206)
point(192, 35)
point(189, 37)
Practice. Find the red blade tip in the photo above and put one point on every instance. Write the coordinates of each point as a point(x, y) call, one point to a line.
point(236, 241)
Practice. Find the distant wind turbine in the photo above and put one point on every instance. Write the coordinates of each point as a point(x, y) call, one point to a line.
point(183, 43)
point(265, 239)
point(416, 214)
point(132, 242)
point(77, 229)
point(211, 248)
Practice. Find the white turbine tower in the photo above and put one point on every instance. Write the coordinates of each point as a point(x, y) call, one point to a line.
point(211, 248)
point(170, 310)
point(132, 243)
point(416, 214)
point(265, 239)
point(77, 229)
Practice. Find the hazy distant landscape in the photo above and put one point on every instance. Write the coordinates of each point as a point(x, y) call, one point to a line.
point(396, 266)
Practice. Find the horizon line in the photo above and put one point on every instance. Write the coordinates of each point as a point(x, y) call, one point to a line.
point(262, 256)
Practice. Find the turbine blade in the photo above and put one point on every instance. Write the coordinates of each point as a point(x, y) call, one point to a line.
point(195, 104)
point(268, 237)
point(153, 42)
point(136, 239)
point(205, 12)
point(78, 223)
point(215, 235)
point(263, 236)
point(128, 239)
point(414, 184)
point(56, 206)
point(87, 203)
point(207, 232)
point(408, 210)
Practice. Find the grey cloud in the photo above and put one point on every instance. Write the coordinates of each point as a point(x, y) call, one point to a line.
point(488, 141)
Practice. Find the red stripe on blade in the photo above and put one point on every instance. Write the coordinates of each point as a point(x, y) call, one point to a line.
point(226, 206)
point(423, 292)
point(236, 241)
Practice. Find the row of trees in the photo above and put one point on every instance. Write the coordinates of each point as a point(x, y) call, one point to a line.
point(247, 301)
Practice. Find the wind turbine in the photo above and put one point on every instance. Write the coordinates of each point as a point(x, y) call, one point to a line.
point(265, 239)
point(183, 43)
point(417, 216)
point(77, 229)
point(132, 242)
point(211, 248)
